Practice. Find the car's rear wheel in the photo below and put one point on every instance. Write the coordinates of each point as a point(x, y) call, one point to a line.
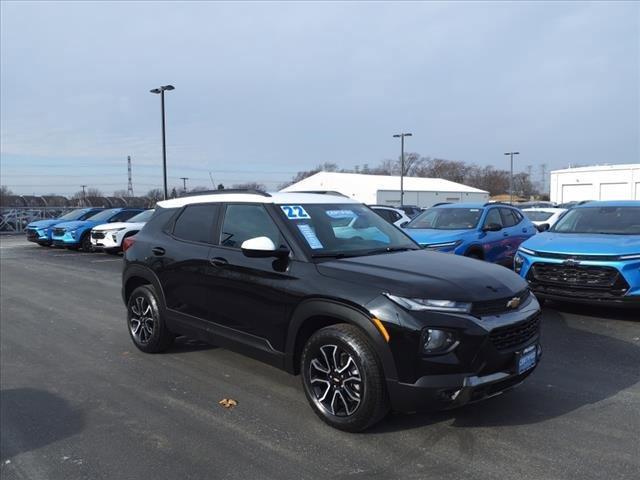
point(343, 379)
point(145, 323)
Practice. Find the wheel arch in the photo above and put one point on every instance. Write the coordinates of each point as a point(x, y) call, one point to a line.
point(474, 249)
point(314, 314)
point(137, 275)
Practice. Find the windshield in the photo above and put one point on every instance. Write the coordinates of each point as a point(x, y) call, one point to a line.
point(609, 220)
point(340, 230)
point(104, 215)
point(78, 214)
point(447, 219)
point(141, 217)
point(537, 216)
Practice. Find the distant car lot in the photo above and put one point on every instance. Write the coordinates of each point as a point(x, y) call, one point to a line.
point(77, 399)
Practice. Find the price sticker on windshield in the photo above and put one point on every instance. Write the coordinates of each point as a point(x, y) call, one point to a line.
point(295, 212)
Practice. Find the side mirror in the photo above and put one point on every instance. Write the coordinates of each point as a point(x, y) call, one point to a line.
point(262, 247)
point(543, 227)
point(492, 227)
point(404, 224)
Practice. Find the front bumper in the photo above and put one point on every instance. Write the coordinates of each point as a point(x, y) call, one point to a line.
point(38, 235)
point(66, 240)
point(624, 291)
point(106, 240)
point(443, 392)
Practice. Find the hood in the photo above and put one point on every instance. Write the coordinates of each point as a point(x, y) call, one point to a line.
point(584, 244)
point(430, 235)
point(424, 274)
point(43, 223)
point(75, 224)
point(116, 225)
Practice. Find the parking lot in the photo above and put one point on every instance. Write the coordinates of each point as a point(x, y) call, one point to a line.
point(78, 401)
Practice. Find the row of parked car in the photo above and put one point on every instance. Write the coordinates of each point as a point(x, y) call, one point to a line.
point(590, 252)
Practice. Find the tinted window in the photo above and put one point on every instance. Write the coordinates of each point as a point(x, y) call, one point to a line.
point(509, 218)
point(196, 223)
point(124, 215)
point(537, 216)
point(447, 219)
point(388, 215)
point(104, 215)
point(142, 217)
point(605, 220)
point(493, 217)
point(242, 222)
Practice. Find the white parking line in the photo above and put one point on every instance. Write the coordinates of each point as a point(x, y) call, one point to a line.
point(107, 260)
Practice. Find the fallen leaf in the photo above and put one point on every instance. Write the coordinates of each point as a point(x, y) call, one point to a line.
point(228, 402)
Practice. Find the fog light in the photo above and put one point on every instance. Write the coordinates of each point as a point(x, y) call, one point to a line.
point(437, 341)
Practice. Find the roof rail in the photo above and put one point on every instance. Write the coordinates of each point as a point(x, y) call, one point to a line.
point(249, 191)
point(441, 203)
point(497, 203)
point(320, 192)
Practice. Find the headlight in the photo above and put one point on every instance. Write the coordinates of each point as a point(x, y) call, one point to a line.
point(634, 256)
point(517, 262)
point(113, 230)
point(442, 245)
point(527, 251)
point(417, 304)
point(437, 341)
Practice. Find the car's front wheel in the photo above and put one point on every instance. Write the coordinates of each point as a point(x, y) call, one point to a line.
point(343, 379)
point(146, 325)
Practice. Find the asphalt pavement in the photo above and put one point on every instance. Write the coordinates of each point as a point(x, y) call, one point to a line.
point(79, 401)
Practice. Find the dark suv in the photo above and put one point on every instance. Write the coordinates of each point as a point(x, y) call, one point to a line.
point(322, 286)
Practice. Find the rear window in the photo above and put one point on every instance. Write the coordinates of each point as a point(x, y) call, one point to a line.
point(196, 223)
point(538, 216)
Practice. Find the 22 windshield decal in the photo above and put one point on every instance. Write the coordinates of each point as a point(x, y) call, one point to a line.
point(295, 212)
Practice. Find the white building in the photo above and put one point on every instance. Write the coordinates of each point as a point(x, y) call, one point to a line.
point(600, 182)
point(385, 190)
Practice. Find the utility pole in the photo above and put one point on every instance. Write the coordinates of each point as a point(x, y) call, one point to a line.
point(130, 184)
point(161, 90)
point(511, 154)
point(401, 137)
point(84, 196)
point(543, 174)
point(184, 183)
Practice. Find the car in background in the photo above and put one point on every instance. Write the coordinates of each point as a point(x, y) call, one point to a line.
point(40, 231)
point(371, 322)
point(486, 231)
point(392, 215)
point(108, 237)
point(77, 234)
point(412, 211)
point(592, 254)
point(535, 204)
point(543, 218)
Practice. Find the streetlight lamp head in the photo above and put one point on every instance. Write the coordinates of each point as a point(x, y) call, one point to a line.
point(168, 87)
point(155, 90)
point(408, 134)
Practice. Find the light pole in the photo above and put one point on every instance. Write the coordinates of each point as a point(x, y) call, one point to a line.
point(511, 154)
point(161, 91)
point(401, 137)
point(184, 183)
point(84, 196)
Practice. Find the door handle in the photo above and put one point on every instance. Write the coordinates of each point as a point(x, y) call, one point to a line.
point(158, 251)
point(505, 234)
point(218, 261)
point(524, 230)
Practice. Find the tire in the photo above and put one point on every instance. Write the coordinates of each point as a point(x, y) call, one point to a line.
point(341, 358)
point(146, 326)
point(473, 255)
point(85, 243)
point(43, 244)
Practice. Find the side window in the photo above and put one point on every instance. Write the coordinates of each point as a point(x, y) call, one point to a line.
point(124, 216)
point(242, 222)
point(196, 223)
point(386, 214)
point(493, 217)
point(395, 216)
point(508, 217)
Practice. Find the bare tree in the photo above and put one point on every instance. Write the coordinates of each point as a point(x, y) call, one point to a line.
point(250, 186)
point(155, 195)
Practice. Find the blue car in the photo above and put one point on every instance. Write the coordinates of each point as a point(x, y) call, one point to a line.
point(40, 230)
point(591, 254)
point(486, 231)
point(77, 234)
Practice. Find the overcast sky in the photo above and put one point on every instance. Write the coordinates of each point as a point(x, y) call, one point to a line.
point(266, 89)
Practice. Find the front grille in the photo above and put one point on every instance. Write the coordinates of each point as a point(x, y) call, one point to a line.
point(588, 276)
point(97, 235)
point(58, 232)
point(494, 307)
point(567, 256)
point(510, 336)
point(32, 233)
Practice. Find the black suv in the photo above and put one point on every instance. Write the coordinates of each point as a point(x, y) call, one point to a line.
point(322, 286)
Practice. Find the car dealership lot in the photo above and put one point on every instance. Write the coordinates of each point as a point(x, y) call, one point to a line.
point(79, 401)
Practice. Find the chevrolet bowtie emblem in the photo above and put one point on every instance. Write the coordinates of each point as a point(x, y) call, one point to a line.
point(514, 302)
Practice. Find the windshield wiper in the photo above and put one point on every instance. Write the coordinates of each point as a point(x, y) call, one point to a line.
point(388, 250)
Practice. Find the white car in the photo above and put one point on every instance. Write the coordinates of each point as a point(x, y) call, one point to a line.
point(391, 215)
point(108, 236)
point(543, 215)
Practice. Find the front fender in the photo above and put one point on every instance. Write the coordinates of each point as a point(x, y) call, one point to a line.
point(343, 312)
